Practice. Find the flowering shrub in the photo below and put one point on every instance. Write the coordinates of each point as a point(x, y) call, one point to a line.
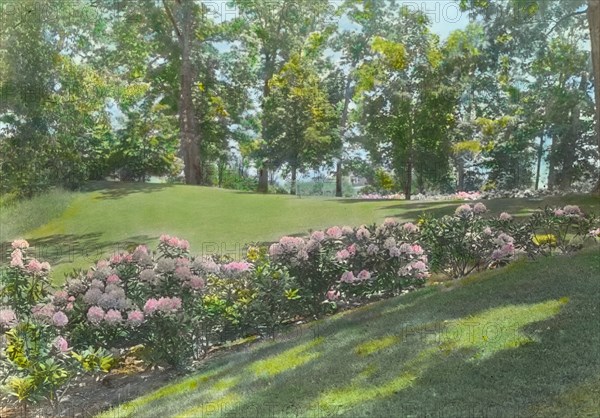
point(177, 306)
point(38, 357)
point(563, 230)
point(465, 242)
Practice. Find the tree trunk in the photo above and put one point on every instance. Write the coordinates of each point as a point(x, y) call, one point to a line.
point(408, 184)
point(263, 172)
point(293, 185)
point(343, 125)
point(570, 146)
point(593, 14)
point(184, 26)
point(540, 155)
point(551, 163)
point(338, 179)
point(263, 180)
point(460, 167)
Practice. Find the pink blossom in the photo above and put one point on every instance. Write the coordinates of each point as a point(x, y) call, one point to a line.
point(410, 227)
point(121, 258)
point(175, 242)
point(417, 249)
point(237, 267)
point(363, 234)
point(183, 273)
point(419, 265)
point(8, 318)
point(347, 231)
point(372, 249)
point(390, 222)
point(406, 248)
point(318, 236)
point(45, 266)
point(113, 279)
point(559, 212)
point(113, 317)
point(44, 312)
point(389, 243)
point(102, 264)
point(69, 307)
point(342, 255)
point(60, 319)
point(169, 304)
point(16, 259)
point(364, 275)
point(60, 297)
point(347, 277)
point(61, 344)
point(291, 244)
point(20, 244)
point(196, 282)
point(352, 249)
point(334, 232)
point(479, 208)
point(135, 318)
point(95, 315)
point(487, 230)
point(395, 252)
point(34, 266)
point(463, 211)
point(275, 250)
point(151, 306)
point(333, 295)
point(504, 216)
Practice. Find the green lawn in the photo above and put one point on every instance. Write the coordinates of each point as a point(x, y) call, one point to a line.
point(518, 341)
point(76, 229)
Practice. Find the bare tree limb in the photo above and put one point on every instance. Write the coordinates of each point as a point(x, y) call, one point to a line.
point(172, 19)
point(565, 17)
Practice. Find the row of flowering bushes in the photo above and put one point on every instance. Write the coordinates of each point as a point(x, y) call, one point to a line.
point(177, 306)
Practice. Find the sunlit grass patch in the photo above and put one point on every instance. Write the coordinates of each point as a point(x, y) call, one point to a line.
point(287, 360)
point(370, 347)
point(496, 329)
point(213, 407)
point(486, 333)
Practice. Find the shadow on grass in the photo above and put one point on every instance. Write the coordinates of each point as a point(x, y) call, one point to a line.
point(118, 190)
point(58, 249)
point(531, 344)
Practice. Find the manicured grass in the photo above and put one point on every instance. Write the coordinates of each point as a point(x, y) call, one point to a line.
point(111, 217)
point(20, 217)
point(518, 341)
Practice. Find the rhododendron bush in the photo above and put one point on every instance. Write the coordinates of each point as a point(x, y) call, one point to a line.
point(177, 306)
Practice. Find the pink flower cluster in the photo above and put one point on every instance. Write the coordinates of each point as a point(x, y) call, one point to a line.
point(467, 195)
point(175, 242)
point(286, 246)
point(349, 277)
point(164, 305)
point(119, 258)
point(61, 344)
point(466, 210)
point(594, 233)
point(20, 244)
point(335, 232)
point(236, 267)
point(377, 196)
point(571, 211)
point(8, 318)
point(505, 216)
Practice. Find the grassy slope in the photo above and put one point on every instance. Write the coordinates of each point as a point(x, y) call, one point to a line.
point(519, 341)
point(111, 217)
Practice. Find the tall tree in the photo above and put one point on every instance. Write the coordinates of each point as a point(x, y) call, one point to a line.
point(279, 28)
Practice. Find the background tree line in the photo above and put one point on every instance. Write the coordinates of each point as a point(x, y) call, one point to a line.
point(156, 87)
